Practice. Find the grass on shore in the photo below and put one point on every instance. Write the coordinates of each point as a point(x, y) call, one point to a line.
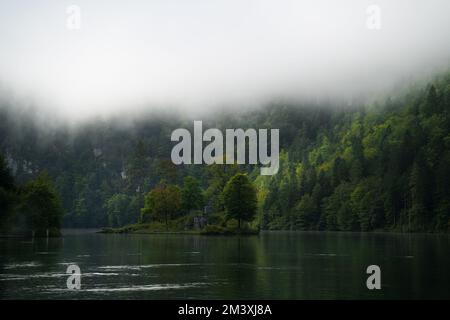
point(175, 227)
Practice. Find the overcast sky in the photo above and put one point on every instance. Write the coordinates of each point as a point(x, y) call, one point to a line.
point(201, 54)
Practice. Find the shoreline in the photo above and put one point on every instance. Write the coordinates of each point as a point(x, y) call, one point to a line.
point(210, 230)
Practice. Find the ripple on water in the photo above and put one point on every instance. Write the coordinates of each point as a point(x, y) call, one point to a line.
point(15, 277)
point(30, 264)
point(144, 266)
point(44, 253)
point(152, 287)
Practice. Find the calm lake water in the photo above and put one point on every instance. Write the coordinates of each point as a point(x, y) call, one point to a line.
point(273, 265)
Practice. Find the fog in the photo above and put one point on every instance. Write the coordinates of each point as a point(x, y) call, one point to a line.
point(103, 58)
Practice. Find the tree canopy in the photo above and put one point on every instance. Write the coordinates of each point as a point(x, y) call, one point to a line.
point(381, 166)
point(162, 203)
point(191, 195)
point(41, 206)
point(240, 199)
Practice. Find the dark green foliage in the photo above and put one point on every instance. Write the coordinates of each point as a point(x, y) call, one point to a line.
point(191, 195)
point(41, 206)
point(240, 199)
point(6, 179)
point(380, 168)
point(122, 209)
point(306, 213)
point(7, 192)
point(162, 203)
point(33, 208)
point(364, 168)
point(218, 176)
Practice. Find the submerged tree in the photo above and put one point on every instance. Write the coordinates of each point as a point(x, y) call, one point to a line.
point(240, 199)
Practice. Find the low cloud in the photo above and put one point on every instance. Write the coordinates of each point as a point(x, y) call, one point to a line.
point(200, 55)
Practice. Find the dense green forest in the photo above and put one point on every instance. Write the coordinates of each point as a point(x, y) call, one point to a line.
point(383, 166)
point(33, 208)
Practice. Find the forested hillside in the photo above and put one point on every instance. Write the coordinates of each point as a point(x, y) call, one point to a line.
point(385, 166)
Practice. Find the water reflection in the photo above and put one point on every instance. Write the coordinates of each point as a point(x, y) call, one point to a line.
point(275, 265)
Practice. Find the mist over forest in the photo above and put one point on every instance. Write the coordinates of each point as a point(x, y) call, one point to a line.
point(378, 166)
point(360, 93)
point(250, 151)
point(205, 56)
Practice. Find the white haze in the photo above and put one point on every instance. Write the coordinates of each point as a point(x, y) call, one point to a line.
point(197, 55)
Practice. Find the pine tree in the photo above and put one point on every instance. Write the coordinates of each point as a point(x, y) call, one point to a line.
point(240, 199)
point(191, 195)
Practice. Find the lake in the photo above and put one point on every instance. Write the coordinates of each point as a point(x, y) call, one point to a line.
point(273, 265)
